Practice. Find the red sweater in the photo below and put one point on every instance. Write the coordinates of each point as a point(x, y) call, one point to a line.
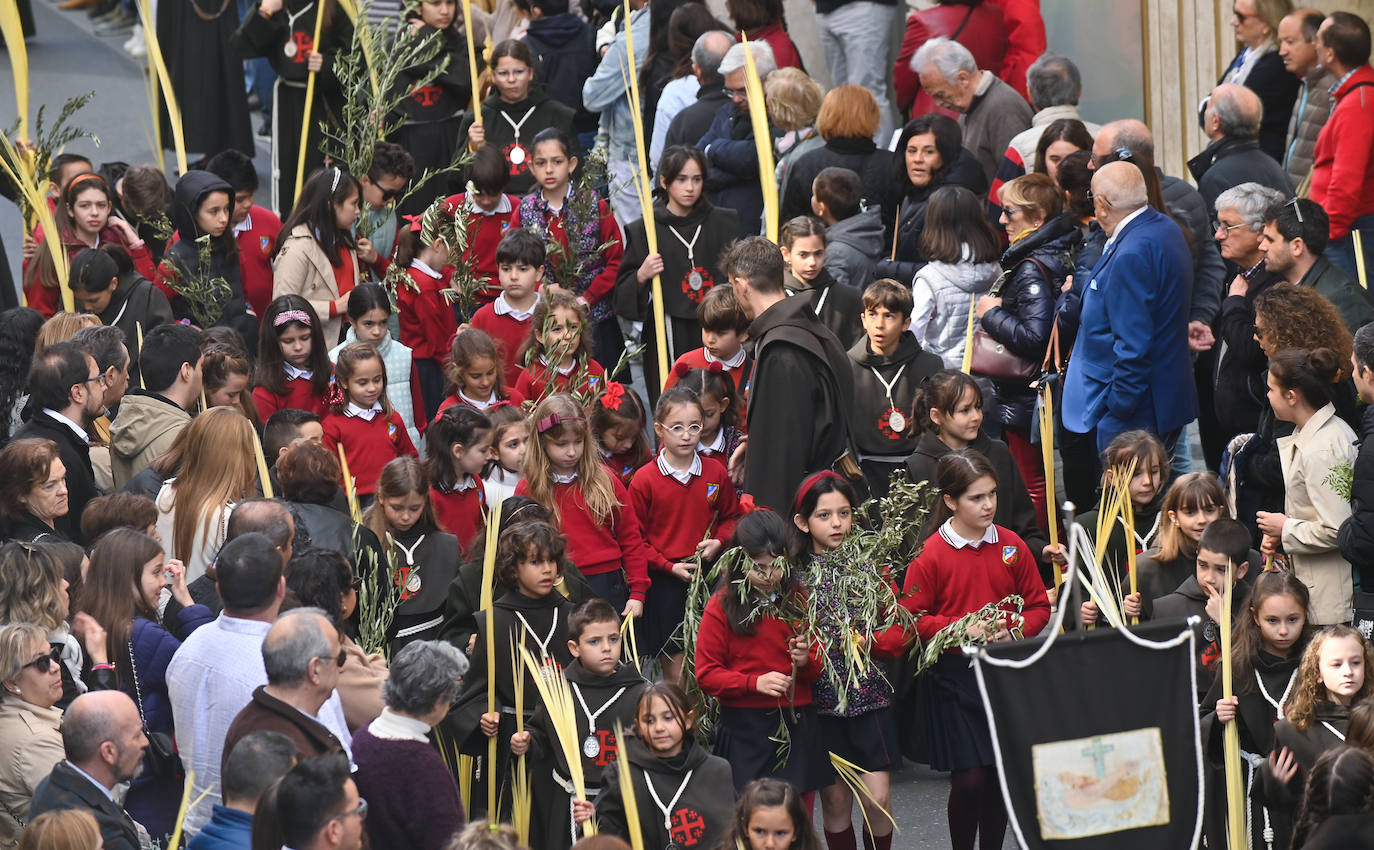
point(427, 320)
point(622, 466)
point(696, 359)
point(729, 665)
point(509, 395)
point(1343, 160)
point(484, 234)
point(676, 516)
point(508, 332)
point(945, 583)
point(598, 549)
point(533, 383)
point(299, 396)
point(461, 513)
point(369, 446)
point(257, 244)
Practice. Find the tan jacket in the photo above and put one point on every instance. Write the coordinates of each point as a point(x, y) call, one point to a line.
point(360, 686)
point(146, 426)
point(301, 268)
point(30, 745)
point(1315, 512)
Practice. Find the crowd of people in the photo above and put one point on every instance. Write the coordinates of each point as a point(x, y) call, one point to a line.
point(253, 484)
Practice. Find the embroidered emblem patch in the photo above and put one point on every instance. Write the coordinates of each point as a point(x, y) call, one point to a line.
point(265, 245)
point(1010, 555)
point(712, 490)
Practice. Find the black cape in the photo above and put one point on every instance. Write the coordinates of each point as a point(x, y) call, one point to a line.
point(703, 813)
point(207, 76)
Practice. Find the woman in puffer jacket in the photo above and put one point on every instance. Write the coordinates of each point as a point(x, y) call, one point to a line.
point(1020, 314)
point(962, 249)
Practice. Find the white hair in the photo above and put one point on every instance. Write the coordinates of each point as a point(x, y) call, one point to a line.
point(948, 57)
point(763, 59)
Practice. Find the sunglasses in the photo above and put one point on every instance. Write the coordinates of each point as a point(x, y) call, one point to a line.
point(46, 663)
point(340, 660)
point(389, 195)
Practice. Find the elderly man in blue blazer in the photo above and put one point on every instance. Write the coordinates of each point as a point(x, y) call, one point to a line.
point(1130, 367)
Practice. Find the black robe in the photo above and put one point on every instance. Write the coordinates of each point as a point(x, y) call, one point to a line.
point(703, 813)
point(1307, 745)
point(432, 115)
point(207, 76)
point(841, 307)
point(543, 113)
point(611, 698)
point(434, 561)
point(465, 594)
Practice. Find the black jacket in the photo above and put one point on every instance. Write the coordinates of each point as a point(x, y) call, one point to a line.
point(1342, 832)
point(873, 403)
point(1024, 320)
point(1188, 207)
point(564, 48)
point(1356, 537)
point(1277, 90)
point(1190, 600)
point(718, 228)
point(1241, 365)
point(840, 307)
point(64, 788)
point(689, 125)
point(76, 457)
point(1229, 162)
point(136, 305)
point(872, 163)
point(801, 395)
point(1356, 307)
point(904, 209)
point(184, 256)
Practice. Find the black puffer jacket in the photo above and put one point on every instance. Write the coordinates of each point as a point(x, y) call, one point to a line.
point(1028, 294)
point(906, 208)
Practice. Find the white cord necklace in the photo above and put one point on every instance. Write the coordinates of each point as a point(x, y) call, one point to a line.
point(1283, 700)
point(667, 818)
point(413, 581)
point(591, 748)
point(895, 419)
point(694, 278)
point(517, 153)
point(289, 49)
point(1329, 728)
point(543, 644)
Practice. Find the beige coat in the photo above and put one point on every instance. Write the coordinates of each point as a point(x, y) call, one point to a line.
point(360, 685)
point(30, 745)
point(1315, 512)
point(301, 268)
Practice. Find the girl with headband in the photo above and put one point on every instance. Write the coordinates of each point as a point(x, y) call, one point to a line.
point(293, 362)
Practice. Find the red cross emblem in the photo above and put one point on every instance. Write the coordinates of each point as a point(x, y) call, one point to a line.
point(609, 748)
point(304, 46)
point(686, 827)
point(427, 95)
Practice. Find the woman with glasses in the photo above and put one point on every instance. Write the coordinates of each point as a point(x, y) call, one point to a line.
point(33, 491)
point(1259, 68)
point(127, 579)
point(33, 590)
point(30, 721)
point(322, 578)
point(515, 113)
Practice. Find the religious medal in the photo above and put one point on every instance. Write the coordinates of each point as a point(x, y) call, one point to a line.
point(590, 747)
point(695, 281)
point(897, 421)
point(673, 845)
point(413, 582)
point(289, 49)
point(517, 155)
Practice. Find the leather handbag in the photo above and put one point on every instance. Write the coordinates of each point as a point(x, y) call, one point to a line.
point(993, 359)
point(160, 759)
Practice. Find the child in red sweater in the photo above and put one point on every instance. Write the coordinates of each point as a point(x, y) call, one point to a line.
point(491, 214)
point(255, 228)
point(361, 419)
point(476, 379)
point(758, 668)
point(427, 321)
point(687, 506)
point(558, 353)
point(618, 425)
point(720, 433)
point(968, 564)
point(724, 328)
point(507, 319)
point(564, 473)
point(293, 361)
point(458, 443)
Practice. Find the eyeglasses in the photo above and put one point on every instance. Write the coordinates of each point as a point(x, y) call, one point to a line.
point(1238, 15)
point(360, 810)
point(1011, 211)
point(1224, 229)
point(734, 93)
point(680, 429)
point(45, 663)
point(389, 195)
point(340, 660)
point(100, 378)
point(1297, 208)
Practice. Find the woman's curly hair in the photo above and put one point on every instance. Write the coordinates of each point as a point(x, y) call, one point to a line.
point(1301, 317)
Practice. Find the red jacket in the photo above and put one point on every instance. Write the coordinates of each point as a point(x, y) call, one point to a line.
point(985, 35)
point(299, 396)
point(1025, 41)
point(728, 665)
point(944, 583)
point(484, 234)
point(369, 446)
point(257, 246)
point(1342, 165)
point(460, 512)
point(598, 549)
point(427, 320)
point(508, 332)
point(676, 516)
point(784, 50)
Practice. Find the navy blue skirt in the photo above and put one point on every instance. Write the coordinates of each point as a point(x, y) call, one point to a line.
point(744, 737)
point(869, 740)
point(663, 612)
point(958, 726)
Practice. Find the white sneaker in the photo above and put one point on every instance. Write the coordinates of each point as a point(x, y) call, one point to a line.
point(135, 38)
point(139, 50)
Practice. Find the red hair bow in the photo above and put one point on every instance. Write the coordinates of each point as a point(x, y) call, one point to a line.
point(335, 395)
point(416, 222)
point(746, 504)
point(614, 395)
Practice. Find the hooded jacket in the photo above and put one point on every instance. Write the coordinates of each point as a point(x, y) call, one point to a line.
point(852, 248)
point(943, 294)
point(135, 305)
point(704, 810)
point(905, 209)
point(837, 307)
point(145, 427)
point(564, 47)
point(718, 228)
point(908, 367)
point(184, 257)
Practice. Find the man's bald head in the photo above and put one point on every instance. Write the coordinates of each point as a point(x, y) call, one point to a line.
point(1234, 112)
point(94, 718)
point(1128, 133)
point(1118, 191)
point(708, 51)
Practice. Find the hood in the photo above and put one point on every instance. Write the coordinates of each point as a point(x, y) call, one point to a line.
point(143, 417)
point(536, 96)
point(691, 757)
point(556, 30)
point(964, 171)
point(794, 284)
point(190, 191)
point(907, 350)
point(622, 676)
point(863, 231)
point(694, 216)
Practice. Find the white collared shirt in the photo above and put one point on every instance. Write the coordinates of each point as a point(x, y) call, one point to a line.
point(80, 432)
point(1122, 225)
point(717, 445)
point(363, 413)
point(953, 539)
point(244, 226)
point(421, 266)
point(560, 478)
point(733, 363)
point(502, 307)
point(564, 372)
point(292, 373)
point(467, 483)
point(684, 476)
point(106, 791)
point(480, 405)
point(502, 206)
point(398, 727)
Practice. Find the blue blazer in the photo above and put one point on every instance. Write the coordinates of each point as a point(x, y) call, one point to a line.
point(1130, 366)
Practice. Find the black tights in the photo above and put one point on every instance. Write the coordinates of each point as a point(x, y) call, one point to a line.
point(976, 808)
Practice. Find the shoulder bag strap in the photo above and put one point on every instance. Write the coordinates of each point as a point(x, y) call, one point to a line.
point(138, 692)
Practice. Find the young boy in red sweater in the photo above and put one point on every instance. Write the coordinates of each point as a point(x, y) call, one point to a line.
point(491, 213)
point(687, 506)
point(520, 266)
point(255, 228)
point(724, 328)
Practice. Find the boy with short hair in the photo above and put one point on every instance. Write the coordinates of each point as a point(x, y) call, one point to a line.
point(724, 328)
point(853, 236)
point(491, 214)
point(255, 228)
point(605, 690)
point(889, 366)
point(287, 427)
point(520, 259)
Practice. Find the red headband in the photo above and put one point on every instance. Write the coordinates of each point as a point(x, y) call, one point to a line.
point(554, 420)
point(811, 481)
